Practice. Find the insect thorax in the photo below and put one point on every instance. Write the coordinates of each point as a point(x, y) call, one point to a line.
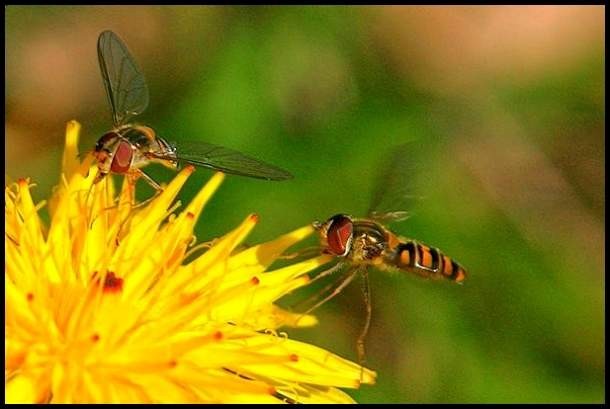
point(369, 242)
point(149, 146)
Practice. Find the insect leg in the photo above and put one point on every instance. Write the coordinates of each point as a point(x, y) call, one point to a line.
point(318, 294)
point(327, 272)
point(149, 180)
point(346, 279)
point(366, 291)
point(133, 176)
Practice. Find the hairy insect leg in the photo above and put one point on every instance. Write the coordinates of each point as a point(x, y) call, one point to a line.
point(329, 271)
point(312, 299)
point(366, 291)
point(132, 178)
point(148, 179)
point(347, 278)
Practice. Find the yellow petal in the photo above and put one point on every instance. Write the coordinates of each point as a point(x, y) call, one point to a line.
point(22, 389)
point(261, 256)
point(70, 160)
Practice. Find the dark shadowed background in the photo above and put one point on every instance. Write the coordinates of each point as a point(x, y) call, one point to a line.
point(504, 104)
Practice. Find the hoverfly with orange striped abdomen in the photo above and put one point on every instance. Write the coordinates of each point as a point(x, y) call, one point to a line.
point(128, 147)
point(359, 244)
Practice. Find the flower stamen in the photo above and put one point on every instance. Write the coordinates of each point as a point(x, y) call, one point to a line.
point(112, 283)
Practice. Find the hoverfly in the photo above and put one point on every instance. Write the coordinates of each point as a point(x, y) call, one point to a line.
point(359, 244)
point(128, 147)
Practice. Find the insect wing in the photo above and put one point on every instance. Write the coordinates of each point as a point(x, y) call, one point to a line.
point(228, 161)
point(125, 85)
point(393, 191)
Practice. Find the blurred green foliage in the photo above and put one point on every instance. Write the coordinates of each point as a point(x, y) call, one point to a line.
point(312, 90)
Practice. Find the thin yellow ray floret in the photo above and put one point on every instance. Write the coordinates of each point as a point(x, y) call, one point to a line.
point(70, 162)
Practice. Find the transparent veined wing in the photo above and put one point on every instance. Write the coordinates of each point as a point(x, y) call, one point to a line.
point(394, 193)
point(125, 85)
point(227, 160)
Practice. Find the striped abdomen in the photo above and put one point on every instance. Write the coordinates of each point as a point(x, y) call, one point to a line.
point(426, 261)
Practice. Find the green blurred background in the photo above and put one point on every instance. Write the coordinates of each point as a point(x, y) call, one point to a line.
point(505, 105)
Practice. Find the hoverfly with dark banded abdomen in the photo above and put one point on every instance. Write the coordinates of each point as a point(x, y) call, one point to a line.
point(128, 147)
point(359, 244)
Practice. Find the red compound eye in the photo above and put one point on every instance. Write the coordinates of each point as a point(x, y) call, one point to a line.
point(121, 161)
point(339, 235)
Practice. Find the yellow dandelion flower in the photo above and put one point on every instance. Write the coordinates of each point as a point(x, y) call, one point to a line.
point(102, 307)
